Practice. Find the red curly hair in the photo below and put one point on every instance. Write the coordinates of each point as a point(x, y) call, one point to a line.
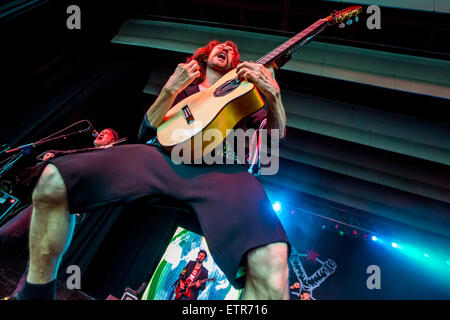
point(202, 54)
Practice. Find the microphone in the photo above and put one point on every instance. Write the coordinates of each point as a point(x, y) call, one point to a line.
point(94, 132)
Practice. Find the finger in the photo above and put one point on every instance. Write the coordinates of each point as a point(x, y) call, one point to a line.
point(192, 63)
point(245, 64)
point(249, 65)
point(250, 75)
point(242, 71)
point(193, 67)
point(241, 65)
point(196, 74)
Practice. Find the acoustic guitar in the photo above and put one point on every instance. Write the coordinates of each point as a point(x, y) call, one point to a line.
point(230, 99)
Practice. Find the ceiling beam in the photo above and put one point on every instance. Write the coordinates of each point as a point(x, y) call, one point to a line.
point(402, 72)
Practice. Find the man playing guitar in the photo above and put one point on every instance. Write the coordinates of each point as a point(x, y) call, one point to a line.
point(189, 282)
point(233, 210)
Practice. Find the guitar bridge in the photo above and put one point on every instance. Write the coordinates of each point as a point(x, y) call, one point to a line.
point(187, 114)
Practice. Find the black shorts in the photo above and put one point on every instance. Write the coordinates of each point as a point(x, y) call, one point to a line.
point(231, 205)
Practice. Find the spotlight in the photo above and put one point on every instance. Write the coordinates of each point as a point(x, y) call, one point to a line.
point(355, 232)
point(394, 245)
point(341, 233)
point(323, 227)
point(336, 226)
point(276, 206)
point(374, 238)
point(448, 262)
point(426, 255)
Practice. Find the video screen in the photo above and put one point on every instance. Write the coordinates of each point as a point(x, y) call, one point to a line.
point(184, 247)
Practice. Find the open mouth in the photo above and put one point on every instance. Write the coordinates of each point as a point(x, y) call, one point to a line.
point(222, 55)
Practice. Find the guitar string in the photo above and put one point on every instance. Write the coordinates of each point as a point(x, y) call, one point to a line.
point(291, 42)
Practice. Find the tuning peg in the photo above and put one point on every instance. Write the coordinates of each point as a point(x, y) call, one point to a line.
point(341, 25)
point(349, 22)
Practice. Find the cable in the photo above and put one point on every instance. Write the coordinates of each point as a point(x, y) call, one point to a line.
point(58, 132)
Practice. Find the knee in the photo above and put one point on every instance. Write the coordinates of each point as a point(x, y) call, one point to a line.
point(50, 187)
point(268, 265)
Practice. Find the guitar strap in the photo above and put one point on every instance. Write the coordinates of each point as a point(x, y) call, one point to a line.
point(254, 161)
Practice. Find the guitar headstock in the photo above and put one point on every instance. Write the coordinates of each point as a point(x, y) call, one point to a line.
point(344, 16)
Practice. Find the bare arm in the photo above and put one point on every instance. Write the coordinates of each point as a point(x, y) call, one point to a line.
point(264, 80)
point(184, 74)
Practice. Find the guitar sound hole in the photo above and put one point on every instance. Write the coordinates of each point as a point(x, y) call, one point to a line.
point(227, 87)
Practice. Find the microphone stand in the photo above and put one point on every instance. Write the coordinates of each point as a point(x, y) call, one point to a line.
point(11, 161)
point(26, 148)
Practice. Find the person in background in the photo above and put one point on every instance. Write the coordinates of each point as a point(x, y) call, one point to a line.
point(18, 226)
point(193, 273)
point(305, 295)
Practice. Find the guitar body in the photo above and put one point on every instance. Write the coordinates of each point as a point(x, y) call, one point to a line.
point(188, 287)
point(219, 107)
point(187, 290)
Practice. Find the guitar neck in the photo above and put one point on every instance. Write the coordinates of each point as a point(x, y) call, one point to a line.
point(200, 281)
point(292, 42)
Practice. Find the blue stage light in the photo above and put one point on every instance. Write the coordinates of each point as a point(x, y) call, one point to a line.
point(276, 206)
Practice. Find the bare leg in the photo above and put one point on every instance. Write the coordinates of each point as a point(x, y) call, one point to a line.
point(51, 227)
point(267, 273)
